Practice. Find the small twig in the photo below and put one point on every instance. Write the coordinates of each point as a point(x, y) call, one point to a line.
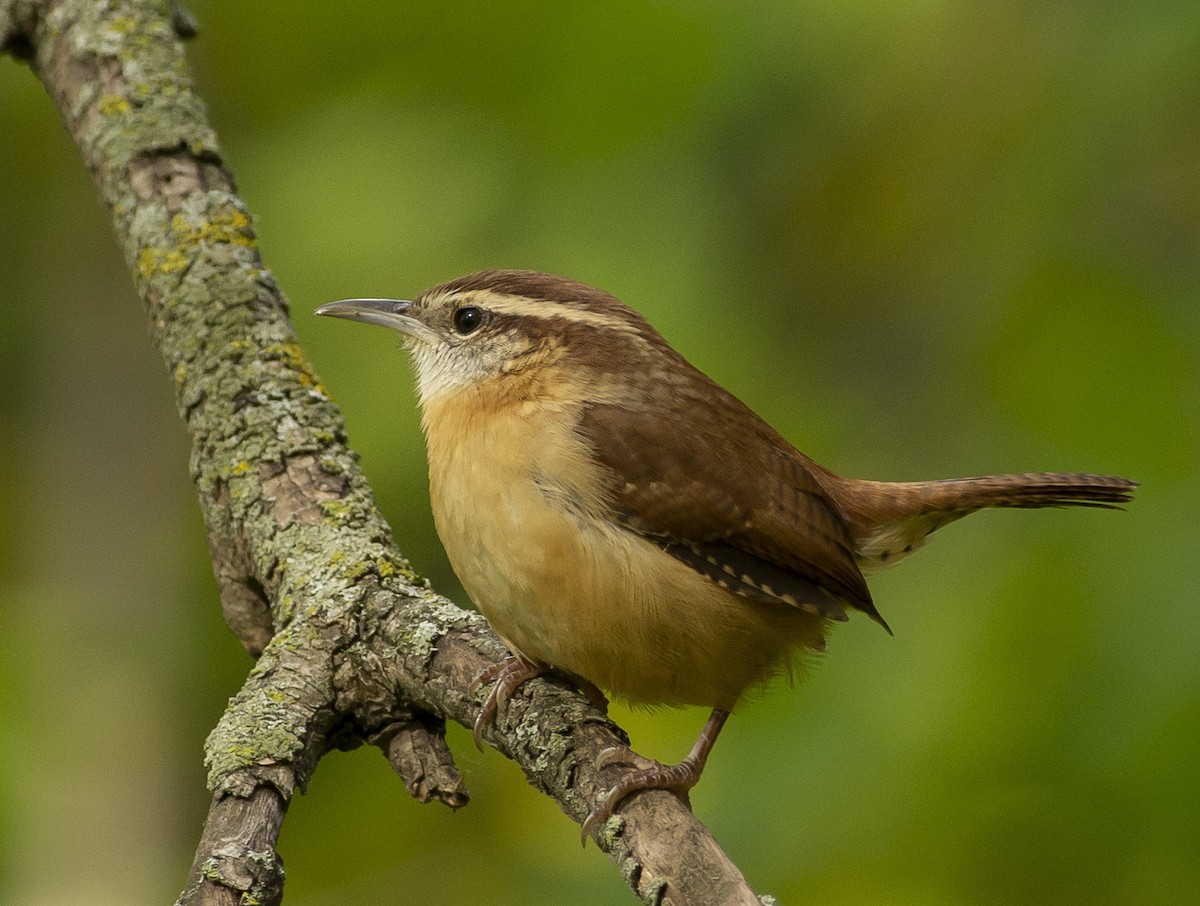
point(417, 751)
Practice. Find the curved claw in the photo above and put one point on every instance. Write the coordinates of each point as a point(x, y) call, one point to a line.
point(624, 755)
point(509, 674)
point(487, 717)
point(596, 818)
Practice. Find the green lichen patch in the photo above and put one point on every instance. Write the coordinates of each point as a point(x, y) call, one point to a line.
point(267, 723)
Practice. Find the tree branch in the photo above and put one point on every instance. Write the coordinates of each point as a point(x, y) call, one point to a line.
point(352, 645)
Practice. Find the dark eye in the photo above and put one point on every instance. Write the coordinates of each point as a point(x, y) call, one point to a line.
point(467, 319)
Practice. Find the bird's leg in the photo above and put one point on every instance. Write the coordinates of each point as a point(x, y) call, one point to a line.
point(651, 775)
point(509, 674)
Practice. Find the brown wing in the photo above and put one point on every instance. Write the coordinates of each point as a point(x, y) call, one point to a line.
point(723, 492)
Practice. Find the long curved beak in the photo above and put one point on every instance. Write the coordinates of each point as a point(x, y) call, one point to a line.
point(393, 313)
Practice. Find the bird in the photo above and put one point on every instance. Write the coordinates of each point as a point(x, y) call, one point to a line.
point(622, 520)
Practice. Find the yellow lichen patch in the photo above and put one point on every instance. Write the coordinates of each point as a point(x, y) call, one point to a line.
point(337, 509)
point(240, 468)
point(227, 226)
point(291, 355)
point(172, 261)
point(146, 265)
point(181, 373)
point(154, 260)
point(232, 218)
point(112, 104)
point(360, 569)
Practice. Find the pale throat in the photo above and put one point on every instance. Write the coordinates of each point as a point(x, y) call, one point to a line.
point(440, 370)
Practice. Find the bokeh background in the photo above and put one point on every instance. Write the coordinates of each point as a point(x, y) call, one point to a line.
point(922, 239)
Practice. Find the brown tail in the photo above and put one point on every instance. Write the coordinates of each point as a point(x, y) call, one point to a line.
point(889, 520)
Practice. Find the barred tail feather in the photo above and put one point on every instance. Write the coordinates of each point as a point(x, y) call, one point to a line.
point(1031, 489)
point(889, 520)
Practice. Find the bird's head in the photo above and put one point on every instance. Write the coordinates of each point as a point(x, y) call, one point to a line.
point(507, 323)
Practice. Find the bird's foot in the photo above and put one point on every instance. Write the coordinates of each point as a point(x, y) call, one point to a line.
point(508, 675)
point(649, 775)
point(653, 775)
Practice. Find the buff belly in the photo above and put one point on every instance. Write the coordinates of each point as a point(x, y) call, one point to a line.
point(563, 584)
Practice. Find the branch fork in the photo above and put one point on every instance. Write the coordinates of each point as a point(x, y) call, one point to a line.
point(352, 647)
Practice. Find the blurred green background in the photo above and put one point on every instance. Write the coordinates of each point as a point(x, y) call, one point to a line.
point(922, 239)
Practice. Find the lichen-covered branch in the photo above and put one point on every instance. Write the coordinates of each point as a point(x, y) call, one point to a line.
point(352, 647)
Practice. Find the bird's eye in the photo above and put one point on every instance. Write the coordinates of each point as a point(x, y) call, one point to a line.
point(467, 319)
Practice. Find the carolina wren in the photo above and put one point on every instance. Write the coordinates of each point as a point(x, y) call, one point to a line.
point(621, 519)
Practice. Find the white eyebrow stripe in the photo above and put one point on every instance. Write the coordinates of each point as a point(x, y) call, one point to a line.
point(542, 308)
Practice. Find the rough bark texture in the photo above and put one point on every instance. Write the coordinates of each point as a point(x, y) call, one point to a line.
point(351, 645)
